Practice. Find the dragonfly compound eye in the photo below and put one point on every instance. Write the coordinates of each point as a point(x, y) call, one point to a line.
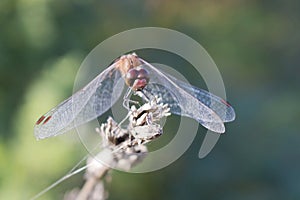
point(142, 79)
point(143, 74)
point(137, 78)
point(131, 76)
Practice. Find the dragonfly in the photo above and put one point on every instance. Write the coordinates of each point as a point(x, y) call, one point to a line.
point(140, 77)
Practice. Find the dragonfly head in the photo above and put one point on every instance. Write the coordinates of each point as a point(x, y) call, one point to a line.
point(137, 78)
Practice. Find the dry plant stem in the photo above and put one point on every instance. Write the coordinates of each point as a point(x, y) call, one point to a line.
point(122, 148)
point(87, 189)
point(90, 185)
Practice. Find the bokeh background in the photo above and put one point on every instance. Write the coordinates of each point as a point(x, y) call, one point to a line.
point(255, 45)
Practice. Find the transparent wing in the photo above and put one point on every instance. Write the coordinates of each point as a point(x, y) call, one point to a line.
point(86, 104)
point(221, 107)
point(180, 101)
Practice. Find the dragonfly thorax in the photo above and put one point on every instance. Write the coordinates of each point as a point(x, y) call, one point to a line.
point(127, 62)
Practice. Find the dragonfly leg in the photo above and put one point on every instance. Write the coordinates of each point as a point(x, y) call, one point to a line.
point(127, 100)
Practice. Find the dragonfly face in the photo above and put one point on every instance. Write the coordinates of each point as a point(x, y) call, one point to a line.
point(137, 78)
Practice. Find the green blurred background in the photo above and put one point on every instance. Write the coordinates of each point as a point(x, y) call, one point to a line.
point(255, 45)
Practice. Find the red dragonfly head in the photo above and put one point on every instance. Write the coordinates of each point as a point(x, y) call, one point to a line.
point(135, 76)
